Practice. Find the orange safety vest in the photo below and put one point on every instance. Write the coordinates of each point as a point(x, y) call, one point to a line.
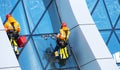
point(64, 33)
point(8, 26)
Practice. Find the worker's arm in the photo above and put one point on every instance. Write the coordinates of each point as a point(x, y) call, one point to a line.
point(6, 26)
point(18, 27)
point(68, 34)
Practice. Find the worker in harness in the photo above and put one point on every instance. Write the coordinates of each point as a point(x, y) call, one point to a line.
point(62, 42)
point(13, 29)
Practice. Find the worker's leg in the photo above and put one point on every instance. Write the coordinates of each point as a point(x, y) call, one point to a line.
point(16, 47)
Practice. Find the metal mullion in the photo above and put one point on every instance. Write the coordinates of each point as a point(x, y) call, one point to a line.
point(58, 11)
point(116, 22)
point(75, 58)
point(107, 14)
point(113, 31)
point(37, 24)
point(37, 53)
point(41, 16)
point(94, 7)
point(115, 27)
point(117, 37)
point(109, 37)
point(105, 29)
point(27, 24)
point(110, 22)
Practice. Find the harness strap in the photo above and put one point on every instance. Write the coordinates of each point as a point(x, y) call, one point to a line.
point(13, 25)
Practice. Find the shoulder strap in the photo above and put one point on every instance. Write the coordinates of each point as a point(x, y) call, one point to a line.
point(66, 32)
point(13, 25)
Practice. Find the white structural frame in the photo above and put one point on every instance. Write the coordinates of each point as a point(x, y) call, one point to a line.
point(8, 60)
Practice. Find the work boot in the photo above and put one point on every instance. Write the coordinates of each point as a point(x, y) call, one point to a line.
point(16, 50)
point(17, 53)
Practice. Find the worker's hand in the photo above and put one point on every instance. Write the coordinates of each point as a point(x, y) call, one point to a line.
point(57, 36)
point(56, 53)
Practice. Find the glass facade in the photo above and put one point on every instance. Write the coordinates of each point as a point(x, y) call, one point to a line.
point(39, 22)
point(106, 14)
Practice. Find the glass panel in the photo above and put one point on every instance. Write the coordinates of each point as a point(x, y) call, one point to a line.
point(52, 10)
point(5, 7)
point(118, 24)
point(35, 9)
point(42, 45)
point(113, 44)
point(113, 7)
point(91, 4)
point(105, 35)
point(19, 15)
point(118, 33)
point(28, 59)
point(45, 26)
point(100, 17)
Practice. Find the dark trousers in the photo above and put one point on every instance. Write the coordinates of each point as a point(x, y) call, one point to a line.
point(12, 34)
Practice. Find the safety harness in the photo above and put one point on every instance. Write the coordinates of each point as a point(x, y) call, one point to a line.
point(64, 54)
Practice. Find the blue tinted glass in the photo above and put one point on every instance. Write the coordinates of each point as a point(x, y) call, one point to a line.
point(28, 59)
point(118, 34)
point(114, 9)
point(42, 45)
point(19, 15)
point(118, 24)
point(45, 26)
point(100, 17)
point(52, 10)
point(105, 35)
point(91, 4)
point(6, 6)
point(35, 9)
point(113, 44)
